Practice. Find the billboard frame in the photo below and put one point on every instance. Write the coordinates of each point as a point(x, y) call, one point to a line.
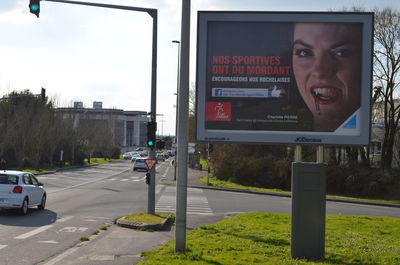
point(363, 115)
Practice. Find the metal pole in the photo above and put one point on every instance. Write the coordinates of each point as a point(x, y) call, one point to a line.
point(177, 109)
point(131, 8)
point(181, 183)
point(151, 202)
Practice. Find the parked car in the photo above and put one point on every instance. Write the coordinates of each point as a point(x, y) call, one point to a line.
point(160, 157)
point(20, 190)
point(139, 164)
point(127, 155)
point(135, 156)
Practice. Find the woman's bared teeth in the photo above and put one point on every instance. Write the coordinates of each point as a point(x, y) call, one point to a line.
point(324, 92)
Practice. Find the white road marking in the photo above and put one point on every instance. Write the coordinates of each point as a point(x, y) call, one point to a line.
point(124, 179)
point(2, 246)
point(165, 173)
point(197, 203)
point(49, 242)
point(33, 232)
point(72, 229)
point(63, 219)
point(102, 258)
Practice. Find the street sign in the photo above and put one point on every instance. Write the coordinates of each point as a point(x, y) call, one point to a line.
point(150, 163)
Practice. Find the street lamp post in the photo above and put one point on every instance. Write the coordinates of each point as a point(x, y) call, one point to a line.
point(177, 95)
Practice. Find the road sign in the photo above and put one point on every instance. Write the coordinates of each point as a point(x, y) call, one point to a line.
point(150, 163)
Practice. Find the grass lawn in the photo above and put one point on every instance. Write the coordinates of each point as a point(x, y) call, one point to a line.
point(93, 161)
point(262, 238)
point(213, 181)
point(147, 218)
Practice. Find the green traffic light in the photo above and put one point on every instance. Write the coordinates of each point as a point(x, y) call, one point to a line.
point(34, 7)
point(150, 143)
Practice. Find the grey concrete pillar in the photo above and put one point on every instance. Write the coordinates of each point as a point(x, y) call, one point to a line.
point(308, 210)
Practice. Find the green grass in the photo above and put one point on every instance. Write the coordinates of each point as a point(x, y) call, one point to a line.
point(44, 168)
point(84, 238)
point(262, 238)
point(146, 218)
point(213, 181)
point(203, 163)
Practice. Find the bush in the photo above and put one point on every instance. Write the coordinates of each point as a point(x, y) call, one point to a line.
point(362, 181)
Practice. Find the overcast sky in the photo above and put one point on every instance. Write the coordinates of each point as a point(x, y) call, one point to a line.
point(91, 54)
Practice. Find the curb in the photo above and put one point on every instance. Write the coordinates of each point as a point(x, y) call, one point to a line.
point(385, 204)
point(138, 225)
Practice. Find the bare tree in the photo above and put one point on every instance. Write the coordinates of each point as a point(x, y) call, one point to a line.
point(386, 71)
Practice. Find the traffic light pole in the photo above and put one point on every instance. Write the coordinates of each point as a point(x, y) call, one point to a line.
point(153, 13)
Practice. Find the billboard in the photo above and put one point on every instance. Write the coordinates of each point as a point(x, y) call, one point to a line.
point(284, 77)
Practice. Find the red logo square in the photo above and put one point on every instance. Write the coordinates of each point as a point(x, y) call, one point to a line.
point(219, 111)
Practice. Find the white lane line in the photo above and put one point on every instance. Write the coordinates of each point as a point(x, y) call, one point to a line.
point(2, 246)
point(33, 232)
point(165, 173)
point(124, 179)
point(41, 229)
point(88, 182)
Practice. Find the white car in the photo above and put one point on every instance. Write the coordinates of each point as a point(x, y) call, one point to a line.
point(127, 155)
point(135, 156)
point(139, 164)
point(20, 190)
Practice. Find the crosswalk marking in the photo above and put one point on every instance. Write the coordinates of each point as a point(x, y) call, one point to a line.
point(2, 246)
point(197, 203)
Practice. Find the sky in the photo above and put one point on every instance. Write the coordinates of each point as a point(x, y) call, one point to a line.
point(89, 54)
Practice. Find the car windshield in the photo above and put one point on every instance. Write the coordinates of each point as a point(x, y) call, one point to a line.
point(8, 179)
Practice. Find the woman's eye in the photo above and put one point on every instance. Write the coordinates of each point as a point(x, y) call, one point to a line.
point(342, 53)
point(303, 52)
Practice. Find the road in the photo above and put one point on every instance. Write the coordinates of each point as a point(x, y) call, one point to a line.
point(81, 201)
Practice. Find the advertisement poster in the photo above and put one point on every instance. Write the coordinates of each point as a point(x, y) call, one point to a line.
point(284, 77)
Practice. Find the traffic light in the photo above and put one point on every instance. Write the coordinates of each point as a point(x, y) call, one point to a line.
point(205, 149)
point(34, 7)
point(43, 94)
point(210, 148)
point(151, 134)
point(160, 144)
point(147, 179)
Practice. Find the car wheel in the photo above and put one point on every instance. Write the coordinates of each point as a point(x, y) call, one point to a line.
point(24, 208)
point(42, 205)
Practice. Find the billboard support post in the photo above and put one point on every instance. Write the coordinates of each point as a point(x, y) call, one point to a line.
point(297, 154)
point(320, 154)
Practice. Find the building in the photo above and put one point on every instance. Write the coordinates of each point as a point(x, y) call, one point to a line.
point(128, 128)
